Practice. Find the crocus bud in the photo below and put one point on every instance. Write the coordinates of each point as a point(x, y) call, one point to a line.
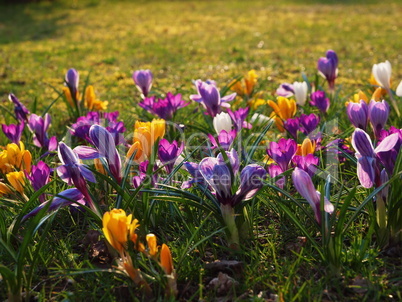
point(143, 80)
point(152, 244)
point(382, 74)
point(358, 114)
point(13, 132)
point(222, 121)
point(378, 113)
point(72, 79)
point(328, 67)
point(308, 147)
point(300, 90)
point(309, 123)
point(166, 259)
point(116, 227)
point(319, 100)
point(399, 90)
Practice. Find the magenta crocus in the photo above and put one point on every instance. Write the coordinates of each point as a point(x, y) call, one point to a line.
point(39, 126)
point(208, 96)
point(358, 114)
point(143, 80)
point(319, 100)
point(13, 132)
point(39, 177)
point(292, 125)
point(378, 113)
point(307, 163)
point(282, 152)
point(21, 112)
point(225, 139)
point(328, 67)
point(309, 123)
point(274, 171)
point(367, 169)
point(304, 185)
point(164, 108)
point(239, 118)
point(168, 153)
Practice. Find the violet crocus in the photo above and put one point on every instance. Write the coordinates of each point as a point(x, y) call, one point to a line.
point(367, 169)
point(358, 114)
point(143, 80)
point(388, 159)
point(72, 79)
point(142, 179)
point(304, 185)
point(225, 139)
point(164, 108)
point(168, 153)
point(197, 178)
point(208, 96)
point(68, 197)
point(274, 171)
point(309, 123)
point(21, 112)
point(13, 132)
point(292, 125)
point(39, 126)
point(328, 67)
point(307, 163)
point(239, 118)
point(282, 152)
point(378, 113)
point(74, 173)
point(105, 147)
point(39, 177)
point(286, 90)
point(319, 100)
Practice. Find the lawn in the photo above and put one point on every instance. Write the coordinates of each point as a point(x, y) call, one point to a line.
point(266, 247)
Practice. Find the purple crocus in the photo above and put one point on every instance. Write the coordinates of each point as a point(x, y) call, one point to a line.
point(21, 112)
point(319, 100)
point(66, 198)
point(72, 79)
point(274, 171)
point(309, 123)
point(286, 90)
point(164, 108)
point(378, 113)
point(39, 126)
point(304, 185)
point(14, 132)
point(39, 177)
point(239, 118)
point(105, 147)
point(282, 152)
point(143, 81)
point(388, 159)
point(73, 172)
point(367, 169)
point(197, 178)
point(307, 163)
point(358, 114)
point(208, 96)
point(142, 178)
point(328, 67)
point(292, 125)
point(225, 139)
point(168, 153)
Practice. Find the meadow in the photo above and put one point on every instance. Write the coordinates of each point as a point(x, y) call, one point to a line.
point(292, 194)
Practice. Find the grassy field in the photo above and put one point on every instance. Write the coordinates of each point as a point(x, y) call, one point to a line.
point(181, 41)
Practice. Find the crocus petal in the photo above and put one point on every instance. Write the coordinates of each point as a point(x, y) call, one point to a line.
point(66, 155)
point(85, 152)
point(365, 171)
point(388, 143)
point(361, 142)
point(87, 174)
point(399, 90)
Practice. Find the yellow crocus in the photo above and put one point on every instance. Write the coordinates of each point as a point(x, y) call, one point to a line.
point(166, 259)
point(249, 82)
point(15, 157)
point(377, 95)
point(284, 109)
point(146, 134)
point(152, 244)
point(256, 103)
point(116, 226)
point(307, 147)
point(4, 189)
point(91, 102)
point(17, 180)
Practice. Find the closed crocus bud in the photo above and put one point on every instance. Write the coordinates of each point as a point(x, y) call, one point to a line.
point(17, 180)
point(116, 225)
point(378, 113)
point(152, 244)
point(319, 100)
point(358, 114)
point(307, 147)
point(143, 81)
point(328, 67)
point(382, 74)
point(222, 121)
point(72, 79)
point(384, 178)
point(166, 259)
point(300, 91)
point(399, 90)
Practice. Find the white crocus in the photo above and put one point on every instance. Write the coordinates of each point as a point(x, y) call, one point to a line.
point(382, 74)
point(300, 90)
point(399, 90)
point(222, 121)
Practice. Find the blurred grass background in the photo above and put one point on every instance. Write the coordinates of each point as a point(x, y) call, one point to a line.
point(184, 40)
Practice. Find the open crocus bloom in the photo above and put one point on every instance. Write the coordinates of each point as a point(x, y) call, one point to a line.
point(382, 74)
point(143, 80)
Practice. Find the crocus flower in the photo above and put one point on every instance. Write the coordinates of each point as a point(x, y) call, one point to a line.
point(398, 90)
point(222, 121)
point(197, 178)
point(292, 125)
point(17, 180)
point(358, 114)
point(378, 113)
point(274, 171)
point(319, 100)
point(168, 153)
point(328, 67)
point(309, 123)
point(146, 134)
point(357, 97)
point(21, 112)
point(388, 159)
point(143, 80)
point(382, 74)
point(91, 102)
point(39, 126)
point(300, 91)
point(286, 90)
point(283, 110)
point(366, 155)
point(208, 96)
point(308, 146)
point(249, 82)
point(304, 185)
point(282, 152)
point(225, 139)
point(13, 132)
point(15, 157)
point(239, 118)
point(39, 177)
point(307, 163)
point(71, 81)
point(164, 108)
point(63, 199)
